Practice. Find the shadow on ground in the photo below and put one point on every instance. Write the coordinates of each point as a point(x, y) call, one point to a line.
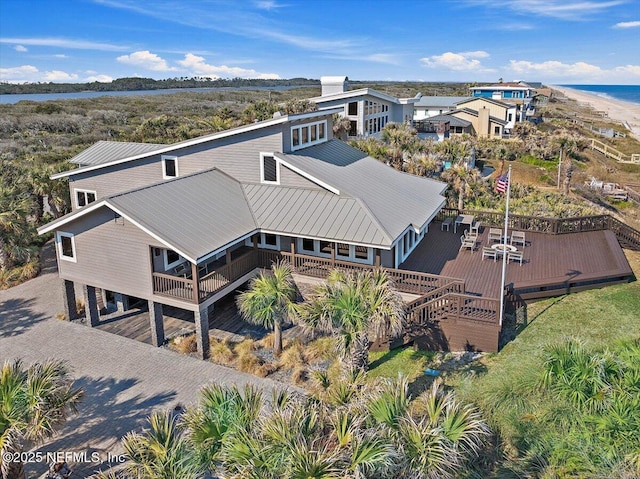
point(17, 317)
point(106, 414)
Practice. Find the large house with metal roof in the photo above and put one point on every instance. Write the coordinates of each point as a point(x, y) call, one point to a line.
point(368, 110)
point(185, 224)
point(518, 93)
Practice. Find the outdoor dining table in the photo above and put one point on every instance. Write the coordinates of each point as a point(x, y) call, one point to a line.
point(501, 248)
point(462, 219)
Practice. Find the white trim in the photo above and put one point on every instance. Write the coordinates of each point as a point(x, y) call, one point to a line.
point(352, 254)
point(202, 139)
point(263, 244)
point(308, 176)
point(80, 190)
point(164, 167)
point(316, 247)
point(165, 258)
point(71, 236)
point(70, 217)
point(262, 180)
point(227, 246)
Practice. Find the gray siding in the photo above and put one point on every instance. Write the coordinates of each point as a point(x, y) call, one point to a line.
point(113, 255)
point(238, 155)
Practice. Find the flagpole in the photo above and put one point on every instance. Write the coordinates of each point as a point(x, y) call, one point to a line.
point(504, 247)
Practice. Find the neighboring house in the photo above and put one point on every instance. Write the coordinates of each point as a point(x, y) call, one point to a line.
point(483, 125)
point(541, 97)
point(186, 224)
point(518, 93)
point(497, 109)
point(368, 110)
point(439, 127)
point(429, 106)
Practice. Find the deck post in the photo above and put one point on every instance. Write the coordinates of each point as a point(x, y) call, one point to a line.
point(156, 321)
point(227, 256)
point(195, 278)
point(121, 302)
point(377, 255)
point(334, 245)
point(202, 331)
point(69, 297)
point(90, 305)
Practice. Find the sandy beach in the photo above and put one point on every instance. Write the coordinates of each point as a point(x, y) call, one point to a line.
point(623, 111)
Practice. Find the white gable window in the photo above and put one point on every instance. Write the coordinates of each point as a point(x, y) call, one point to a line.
point(66, 246)
point(84, 197)
point(308, 134)
point(169, 167)
point(269, 169)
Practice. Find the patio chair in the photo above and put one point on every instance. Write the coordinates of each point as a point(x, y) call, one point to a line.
point(467, 242)
point(495, 234)
point(515, 256)
point(489, 253)
point(518, 237)
point(475, 228)
point(183, 270)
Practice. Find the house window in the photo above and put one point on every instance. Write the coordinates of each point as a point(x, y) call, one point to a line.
point(325, 247)
point(84, 197)
point(510, 117)
point(353, 128)
point(169, 167)
point(496, 131)
point(342, 250)
point(353, 108)
point(171, 259)
point(269, 169)
point(362, 252)
point(269, 241)
point(66, 246)
point(308, 245)
point(309, 134)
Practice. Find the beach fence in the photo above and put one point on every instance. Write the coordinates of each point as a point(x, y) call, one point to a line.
point(610, 152)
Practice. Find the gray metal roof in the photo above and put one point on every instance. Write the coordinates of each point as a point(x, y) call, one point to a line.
point(395, 199)
point(475, 113)
point(440, 101)
point(106, 151)
point(196, 214)
point(453, 120)
point(489, 100)
point(313, 213)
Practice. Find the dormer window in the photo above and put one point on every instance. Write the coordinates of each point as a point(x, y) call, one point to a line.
point(308, 134)
point(169, 167)
point(269, 169)
point(84, 197)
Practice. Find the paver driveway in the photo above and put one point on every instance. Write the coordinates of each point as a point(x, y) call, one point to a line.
point(124, 380)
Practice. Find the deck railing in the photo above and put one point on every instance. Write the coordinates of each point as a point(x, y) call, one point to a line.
point(454, 307)
point(173, 286)
point(627, 236)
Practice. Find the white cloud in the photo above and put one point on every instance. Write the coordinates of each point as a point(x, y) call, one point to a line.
point(18, 74)
point(268, 5)
point(147, 60)
point(563, 9)
point(627, 24)
point(65, 43)
point(59, 75)
point(197, 66)
point(463, 61)
point(60, 55)
point(20, 48)
point(553, 70)
point(99, 78)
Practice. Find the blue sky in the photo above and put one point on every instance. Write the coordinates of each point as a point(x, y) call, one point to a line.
point(553, 41)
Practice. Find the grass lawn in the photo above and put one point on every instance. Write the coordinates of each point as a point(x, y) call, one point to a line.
point(509, 392)
point(402, 360)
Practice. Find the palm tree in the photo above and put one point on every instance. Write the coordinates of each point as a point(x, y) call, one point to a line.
point(34, 403)
point(14, 211)
point(341, 127)
point(270, 300)
point(568, 147)
point(161, 452)
point(355, 305)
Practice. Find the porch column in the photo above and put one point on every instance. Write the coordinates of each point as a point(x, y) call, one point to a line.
point(195, 277)
point(103, 298)
point(334, 245)
point(157, 323)
point(254, 238)
point(69, 299)
point(90, 305)
point(122, 303)
point(202, 331)
point(377, 257)
point(293, 253)
point(227, 256)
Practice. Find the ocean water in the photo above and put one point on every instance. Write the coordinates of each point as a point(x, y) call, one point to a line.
point(629, 93)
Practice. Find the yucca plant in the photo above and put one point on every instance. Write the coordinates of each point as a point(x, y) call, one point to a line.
point(162, 451)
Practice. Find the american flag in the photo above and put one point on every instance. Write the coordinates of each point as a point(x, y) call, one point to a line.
point(502, 183)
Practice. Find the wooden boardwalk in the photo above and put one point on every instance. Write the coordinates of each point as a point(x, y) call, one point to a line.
point(551, 262)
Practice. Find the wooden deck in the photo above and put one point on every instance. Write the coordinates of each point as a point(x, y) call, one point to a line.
point(224, 323)
point(553, 264)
